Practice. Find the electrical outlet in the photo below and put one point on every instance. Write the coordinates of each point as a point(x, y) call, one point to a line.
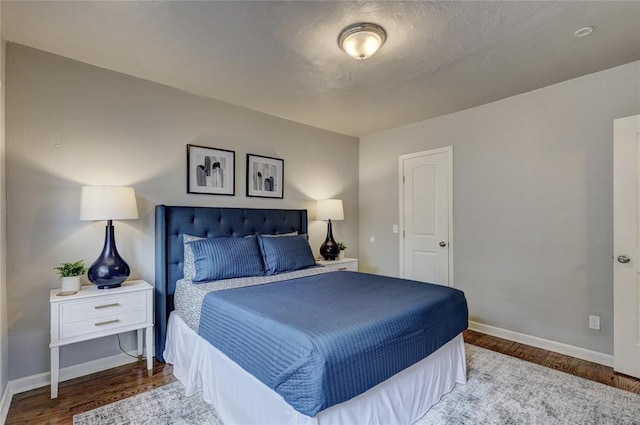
point(594, 322)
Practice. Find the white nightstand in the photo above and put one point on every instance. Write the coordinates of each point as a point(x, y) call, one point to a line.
point(350, 264)
point(94, 313)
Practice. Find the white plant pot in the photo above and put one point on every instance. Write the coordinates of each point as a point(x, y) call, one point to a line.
point(341, 255)
point(70, 284)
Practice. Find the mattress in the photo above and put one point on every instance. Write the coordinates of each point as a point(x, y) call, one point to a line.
point(321, 340)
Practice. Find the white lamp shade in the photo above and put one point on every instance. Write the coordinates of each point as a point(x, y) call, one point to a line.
point(330, 209)
point(108, 203)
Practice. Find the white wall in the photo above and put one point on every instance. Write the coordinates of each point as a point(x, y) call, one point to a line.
point(532, 204)
point(71, 124)
point(4, 357)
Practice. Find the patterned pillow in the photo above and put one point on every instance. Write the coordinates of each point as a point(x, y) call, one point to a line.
point(286, 253)
point(226, 258)
point(189, 267)
point(280, 235)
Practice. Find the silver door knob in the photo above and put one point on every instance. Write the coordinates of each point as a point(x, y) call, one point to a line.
point(623, 259)
point(442, 244)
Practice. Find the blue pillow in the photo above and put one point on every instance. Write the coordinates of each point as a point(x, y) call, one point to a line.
point(226, 258)
point(286, 253)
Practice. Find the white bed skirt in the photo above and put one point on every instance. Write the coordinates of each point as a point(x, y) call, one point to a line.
point(241, 399)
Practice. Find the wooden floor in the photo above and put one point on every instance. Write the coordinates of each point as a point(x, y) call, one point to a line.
point(88, 392)
point(582, 368)
point(91, 391)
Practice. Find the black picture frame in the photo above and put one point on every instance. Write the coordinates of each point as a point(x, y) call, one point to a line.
point(211, 171)
point(265, 177)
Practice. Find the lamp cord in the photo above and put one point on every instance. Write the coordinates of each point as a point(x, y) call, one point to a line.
point(121, 349)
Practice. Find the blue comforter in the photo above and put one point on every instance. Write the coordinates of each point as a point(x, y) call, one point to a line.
point(321, 340)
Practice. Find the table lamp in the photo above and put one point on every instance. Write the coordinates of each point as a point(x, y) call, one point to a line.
point(108, 203)
point(329, 209)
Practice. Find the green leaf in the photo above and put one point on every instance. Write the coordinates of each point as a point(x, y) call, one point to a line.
point(71, 269)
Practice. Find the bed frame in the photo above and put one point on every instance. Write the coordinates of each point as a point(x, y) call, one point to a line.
point(174, 221)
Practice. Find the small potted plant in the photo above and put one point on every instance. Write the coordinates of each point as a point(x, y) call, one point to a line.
point(70, 274)
point(342, 247)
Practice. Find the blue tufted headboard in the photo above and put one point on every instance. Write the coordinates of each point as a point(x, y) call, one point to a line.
point(173, 222)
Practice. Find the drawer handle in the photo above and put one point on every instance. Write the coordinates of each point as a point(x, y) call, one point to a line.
point(342, 268)
point(98, 307)
point(108, 322)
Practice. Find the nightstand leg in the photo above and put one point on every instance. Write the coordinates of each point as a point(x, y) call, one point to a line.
point(139, 345)
point(55, 371)
point(150, 351)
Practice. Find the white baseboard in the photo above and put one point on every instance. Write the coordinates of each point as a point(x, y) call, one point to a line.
point(38, 380)
point(5, 403)
point(545, 344)
point(29, 383)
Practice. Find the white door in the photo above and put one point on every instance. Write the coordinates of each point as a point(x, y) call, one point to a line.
point(626, 246)
point(425, 216)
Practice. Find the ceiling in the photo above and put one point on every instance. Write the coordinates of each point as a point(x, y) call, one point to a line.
point(282, 57)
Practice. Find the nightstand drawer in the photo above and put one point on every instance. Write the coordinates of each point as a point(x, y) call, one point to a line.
point(98, 324)
point(346, 264)
point(108, 305)
point(352, 267)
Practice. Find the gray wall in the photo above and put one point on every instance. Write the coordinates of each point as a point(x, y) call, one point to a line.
point(532, 205)
point(71, 124)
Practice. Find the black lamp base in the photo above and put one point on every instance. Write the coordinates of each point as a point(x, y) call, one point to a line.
point(329, 248)
point(116, 285)
point(109, 270)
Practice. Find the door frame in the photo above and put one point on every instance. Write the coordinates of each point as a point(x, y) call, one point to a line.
point(401, 159)
point(625, 210)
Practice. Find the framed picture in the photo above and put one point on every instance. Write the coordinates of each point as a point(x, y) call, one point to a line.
point(265, 176)
point(210, 170)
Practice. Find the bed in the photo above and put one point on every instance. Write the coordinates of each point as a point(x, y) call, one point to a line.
point(258, 361)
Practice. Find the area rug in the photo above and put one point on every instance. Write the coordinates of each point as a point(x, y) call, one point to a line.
point(500, 390)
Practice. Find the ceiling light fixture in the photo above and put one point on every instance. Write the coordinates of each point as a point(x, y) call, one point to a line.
point(583, 32)
point(362, 40)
